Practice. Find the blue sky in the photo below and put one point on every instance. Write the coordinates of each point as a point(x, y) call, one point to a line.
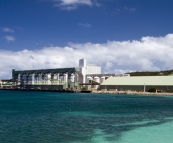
point(34, 26)
point(38, 23)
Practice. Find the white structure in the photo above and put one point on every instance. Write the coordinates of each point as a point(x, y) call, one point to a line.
point(86, 70)
point(93, 69)
point(140, 83)
point(90, 74)
point(85, 74)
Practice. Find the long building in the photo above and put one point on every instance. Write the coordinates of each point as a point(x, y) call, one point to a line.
point(87, 75)
point(138, 83)
point(60, 78)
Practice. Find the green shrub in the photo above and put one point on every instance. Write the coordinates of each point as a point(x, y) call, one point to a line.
point(152, 89)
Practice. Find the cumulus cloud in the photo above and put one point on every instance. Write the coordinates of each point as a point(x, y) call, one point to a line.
point(147, 54)
point(9, 38)
point(7, 30)
point(73, 4)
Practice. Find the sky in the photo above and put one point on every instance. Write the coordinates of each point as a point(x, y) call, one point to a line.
point(118, 35)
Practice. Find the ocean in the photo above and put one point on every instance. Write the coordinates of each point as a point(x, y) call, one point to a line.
point(46, 117)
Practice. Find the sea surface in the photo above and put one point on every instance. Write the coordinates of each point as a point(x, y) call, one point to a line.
point(45, 117)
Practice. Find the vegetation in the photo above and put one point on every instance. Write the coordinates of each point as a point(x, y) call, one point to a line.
point(152, 89)
point(156, 73)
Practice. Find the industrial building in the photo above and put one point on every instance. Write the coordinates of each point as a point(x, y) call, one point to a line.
point(6, 84)
point(88, 75)
point(46, 78)
point(138, 83)
point(60, 78)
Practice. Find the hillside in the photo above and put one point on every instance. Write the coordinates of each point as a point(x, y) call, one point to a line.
point(155, 73)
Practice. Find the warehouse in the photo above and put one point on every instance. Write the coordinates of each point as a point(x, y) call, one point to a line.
point(138, 83)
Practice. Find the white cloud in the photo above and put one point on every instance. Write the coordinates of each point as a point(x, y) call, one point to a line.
point(73, 4)
point(7, 30)
point(129, 9)
point(125, 9)
point(108, 65)
point(86, 25)
point(9, 38)
point(147, 54)
point(95, 2)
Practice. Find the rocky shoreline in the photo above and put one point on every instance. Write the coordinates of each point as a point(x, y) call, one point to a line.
point(134, 93)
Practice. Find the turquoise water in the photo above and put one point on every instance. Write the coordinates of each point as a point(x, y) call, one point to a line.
point(40, 117)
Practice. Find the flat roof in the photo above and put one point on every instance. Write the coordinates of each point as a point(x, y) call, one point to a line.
point(57, 70)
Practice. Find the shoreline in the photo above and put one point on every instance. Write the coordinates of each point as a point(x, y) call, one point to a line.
point(101, 92)
point(49, 90)
point(134, 93)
